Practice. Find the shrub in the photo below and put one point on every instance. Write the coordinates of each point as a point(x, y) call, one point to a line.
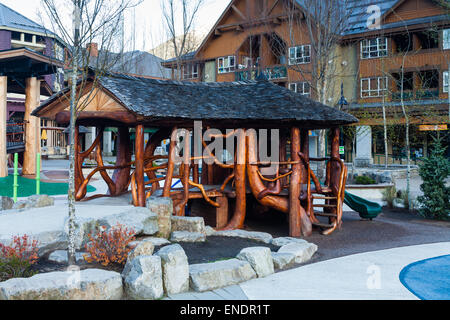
point(364, 180)
point(16, 260)
point(110, 246)
point(434, 170)
point(389, 194)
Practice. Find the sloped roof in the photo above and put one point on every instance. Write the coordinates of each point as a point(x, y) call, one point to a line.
point(139, 63)
point(12, 19)
point(358, 16)
point(253, 102)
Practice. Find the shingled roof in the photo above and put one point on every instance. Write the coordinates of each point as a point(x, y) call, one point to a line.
point(252, 102)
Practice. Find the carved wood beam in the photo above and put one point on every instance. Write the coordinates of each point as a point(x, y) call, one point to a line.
point(243, 17)
point(120, 116)
point(272, 7)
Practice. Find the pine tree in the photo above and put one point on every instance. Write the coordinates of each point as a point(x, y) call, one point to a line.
point(434, 171)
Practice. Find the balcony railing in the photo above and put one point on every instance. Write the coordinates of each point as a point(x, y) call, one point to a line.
point(270, 73)
point(418, 95)
point(15, 137)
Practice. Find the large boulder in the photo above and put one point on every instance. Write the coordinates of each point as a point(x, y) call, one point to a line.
point(279, 242)
point(89, 284)
point(82, 228)
point(141, 220)
point(186, 236)
point(163, 208)
point(142, 278)
point(6, 203)
point(282, 261)
point(36, 201)
point(303, 252)
point(209, 231)
point(157, 242)
point(62, 256)
point(210, 276)
point(50, 241)
point(144, 248)
point(252, 235)
point(260, 258)
point(175, 269)
point(190, 224)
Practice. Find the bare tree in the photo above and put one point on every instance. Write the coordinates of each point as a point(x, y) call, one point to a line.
point(321, 24)
point(93, 21)
point(181, 33)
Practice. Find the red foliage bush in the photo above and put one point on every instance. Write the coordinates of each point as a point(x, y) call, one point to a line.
point(22, 248)
point(16, 260)
point(110, 247)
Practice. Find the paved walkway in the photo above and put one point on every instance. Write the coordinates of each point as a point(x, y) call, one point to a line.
point(365, 276)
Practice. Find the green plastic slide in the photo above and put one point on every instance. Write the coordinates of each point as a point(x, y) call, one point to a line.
point(365, 208)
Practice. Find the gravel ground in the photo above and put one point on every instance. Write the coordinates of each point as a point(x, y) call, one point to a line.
point(392, 228)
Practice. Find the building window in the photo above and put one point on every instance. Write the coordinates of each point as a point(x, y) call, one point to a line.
point(374, 48)
point(15, 36)
point(446, 39)
point(190, 71)
point(226, 64)
point(300, 54)
point(445, 84)
point(303, 88)
point(373, 87)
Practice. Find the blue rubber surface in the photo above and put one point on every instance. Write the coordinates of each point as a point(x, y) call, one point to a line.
point(428, 279)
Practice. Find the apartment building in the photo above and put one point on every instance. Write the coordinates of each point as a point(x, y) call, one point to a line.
point(403, 63)
point(272, 39)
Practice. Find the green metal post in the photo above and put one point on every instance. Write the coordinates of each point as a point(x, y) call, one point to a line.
point(16, 173)
point(38, 173)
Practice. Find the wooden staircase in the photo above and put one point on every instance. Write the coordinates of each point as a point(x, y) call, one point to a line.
point(332, 193)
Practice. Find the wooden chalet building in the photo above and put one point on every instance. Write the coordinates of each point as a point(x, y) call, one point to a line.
point(253, 38)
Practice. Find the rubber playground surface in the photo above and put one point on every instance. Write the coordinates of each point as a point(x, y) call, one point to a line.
point(27, 187)
point(428, 279)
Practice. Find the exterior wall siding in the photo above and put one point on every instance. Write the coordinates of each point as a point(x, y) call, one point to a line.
point(5, 39)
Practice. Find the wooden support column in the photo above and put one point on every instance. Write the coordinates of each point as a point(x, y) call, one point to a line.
point(181, 208)
point(237, 222)
point(171, 164)
point(3, 116)
point(32, 126)
point(335, 143)
point(121, 177)
point(305, 151)
point(139, 155)
point(299, 223)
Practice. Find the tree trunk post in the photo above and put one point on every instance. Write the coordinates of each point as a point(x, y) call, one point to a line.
point(32, 126)
point(171, 164)
point(3, 115)
point(237, 222)
point(139, 155)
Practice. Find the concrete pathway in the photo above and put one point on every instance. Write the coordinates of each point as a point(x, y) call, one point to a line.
point(365, 276)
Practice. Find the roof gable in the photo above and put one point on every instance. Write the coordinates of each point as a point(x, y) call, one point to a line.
point(405, 10)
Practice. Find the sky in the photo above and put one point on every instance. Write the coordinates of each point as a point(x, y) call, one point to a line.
point(148, 17)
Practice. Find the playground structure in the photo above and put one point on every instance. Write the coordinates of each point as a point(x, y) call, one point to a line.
point(236, 111)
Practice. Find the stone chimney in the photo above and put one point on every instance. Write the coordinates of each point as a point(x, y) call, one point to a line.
point(93, 49)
